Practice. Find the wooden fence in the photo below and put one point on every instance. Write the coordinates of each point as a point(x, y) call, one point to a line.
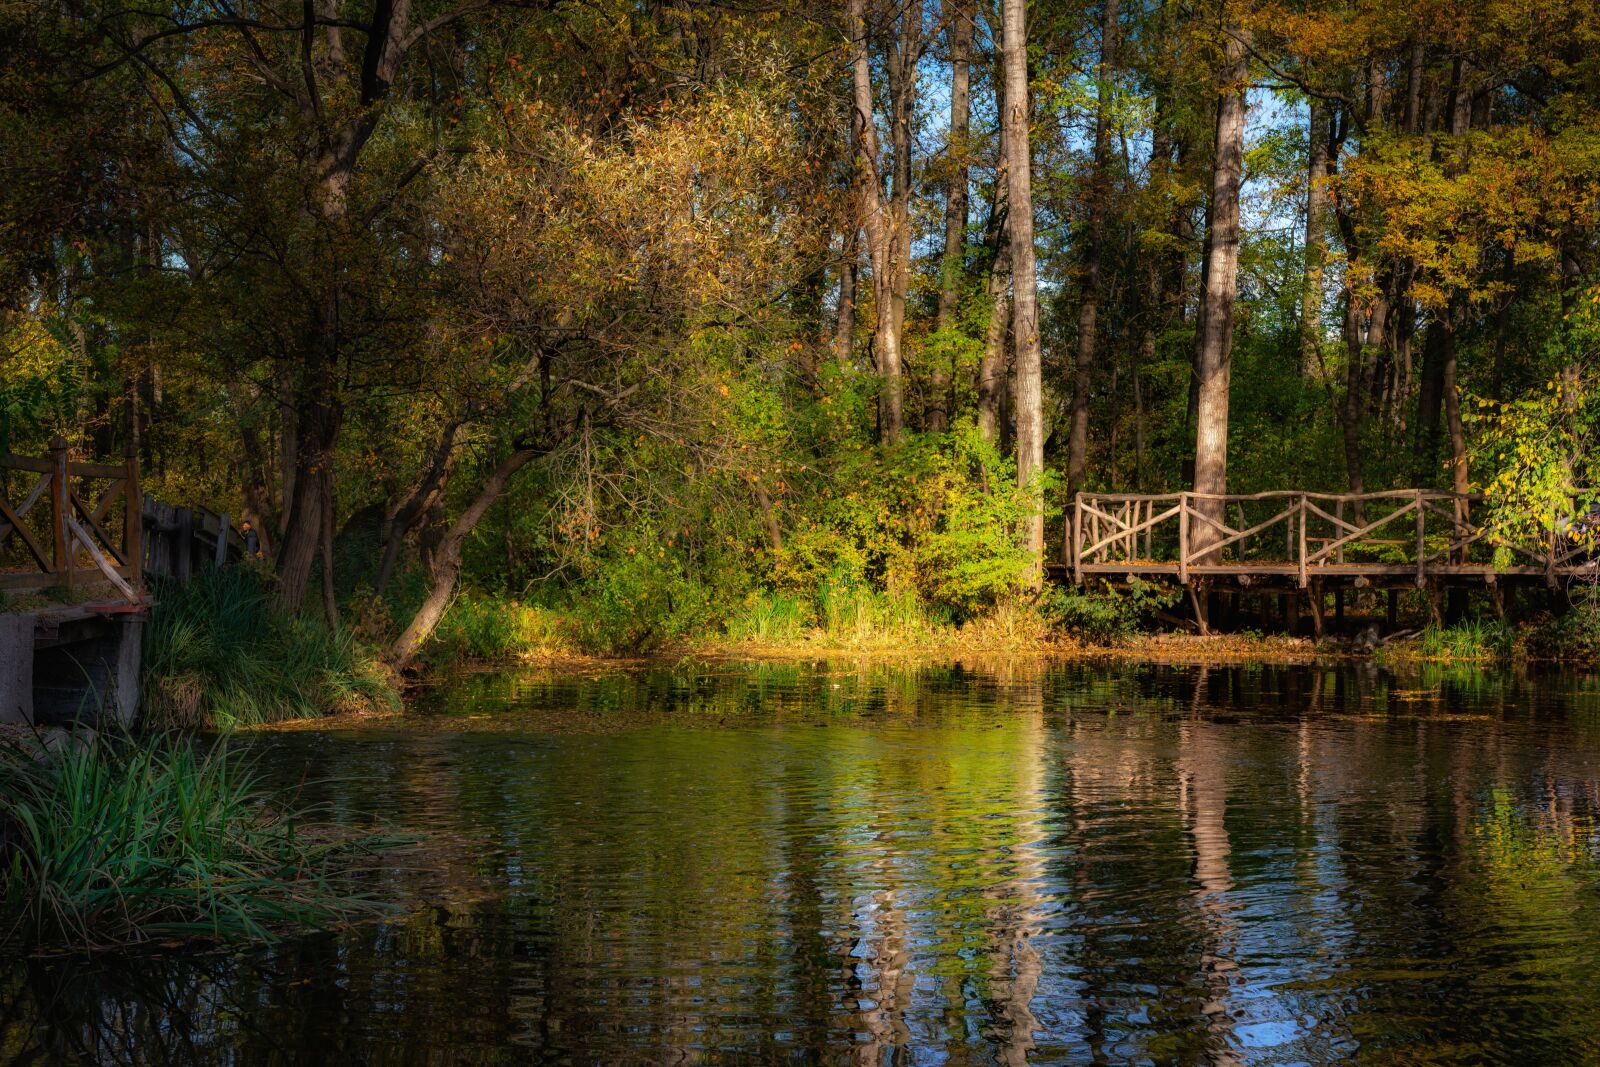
point(65, 521)
point(1412, 534)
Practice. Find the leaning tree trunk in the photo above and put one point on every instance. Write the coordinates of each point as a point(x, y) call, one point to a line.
point(1029, 378)
point(1214, 355)
point(446, 565)
point(1089, 308)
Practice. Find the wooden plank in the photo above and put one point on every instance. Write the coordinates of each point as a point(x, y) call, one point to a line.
point(107, 498)
point(80, 469)
point(27, 463)
point(1338, 543)
point(1146, 525)
point(99, 530)
point(110, 572)
point(26, 535)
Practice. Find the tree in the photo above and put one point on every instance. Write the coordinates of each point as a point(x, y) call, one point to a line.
point(1214, 349)
point(1093, 251)
point(1029, 377)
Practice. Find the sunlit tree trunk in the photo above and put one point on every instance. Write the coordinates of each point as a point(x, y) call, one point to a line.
point(844, 323)
point(1028, 369)
point(953, 271)
point(1316, 242)
point(1214, 354)
point(1089, 307)
point(885, 222)
point(992, 365)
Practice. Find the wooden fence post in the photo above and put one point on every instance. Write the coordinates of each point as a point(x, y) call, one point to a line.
point(60, 501)
point(224, 527)
point(1075, 531)
point(133, 520)
point(183, 546)
point(1302, 561)
point(1183, 542)
point(1422, 553)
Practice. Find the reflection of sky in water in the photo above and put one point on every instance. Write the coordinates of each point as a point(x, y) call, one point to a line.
point(1073, 865)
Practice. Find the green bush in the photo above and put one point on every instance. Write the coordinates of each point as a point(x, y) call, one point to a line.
point(497, 629)
point(219, 653)
point(639, 600)
point(113, 841)
point(1108, 612)
point(1571, 638)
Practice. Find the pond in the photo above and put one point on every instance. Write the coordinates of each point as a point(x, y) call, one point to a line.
point(982, 863)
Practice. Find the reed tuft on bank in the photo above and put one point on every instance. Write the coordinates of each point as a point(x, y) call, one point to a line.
point(112, 841)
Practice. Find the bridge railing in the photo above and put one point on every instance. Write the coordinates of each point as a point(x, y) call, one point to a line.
point(1413, 532)
point(61, 518)
point(65, 521)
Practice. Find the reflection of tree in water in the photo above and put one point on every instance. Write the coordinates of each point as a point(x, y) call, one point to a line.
point(973, 863)
point(1203, 800)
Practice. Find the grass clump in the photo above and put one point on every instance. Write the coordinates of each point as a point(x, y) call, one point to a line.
point(219, 653)
point(110, 841)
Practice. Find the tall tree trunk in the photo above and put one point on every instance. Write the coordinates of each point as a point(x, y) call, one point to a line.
point(844, 324)
point(992, 365)
point(1029, 386)
point(446, 565)
point(318, 421)
point(330, 603)
point(1089, 308)
point(1215, 352)
point(902, 112)
point(953, 279)
point(878, 220)
point(1316, 241)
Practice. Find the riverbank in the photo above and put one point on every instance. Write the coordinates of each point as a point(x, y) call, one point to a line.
point(222, 656)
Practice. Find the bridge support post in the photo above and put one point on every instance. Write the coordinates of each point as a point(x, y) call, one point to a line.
point(60, 509)
point(16, 669)
point(1197, 599)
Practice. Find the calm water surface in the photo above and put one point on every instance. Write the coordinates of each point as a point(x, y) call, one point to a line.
point(1063, 864)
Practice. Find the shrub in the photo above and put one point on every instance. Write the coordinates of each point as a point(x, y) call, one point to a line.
point(1571, 638)
point(113, 840)
point(639, 600)
point(1107, 613)
point(219, 653)
point(497, 629)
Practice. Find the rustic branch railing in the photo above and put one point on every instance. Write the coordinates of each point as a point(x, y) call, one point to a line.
point(1415, 533)
point(72, 519)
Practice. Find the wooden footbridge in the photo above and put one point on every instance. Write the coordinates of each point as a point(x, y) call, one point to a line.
point(85, 534)
point(1311, 543)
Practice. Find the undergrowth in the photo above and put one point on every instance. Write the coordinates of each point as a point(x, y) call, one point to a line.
point(220, 653)
point(115, 841)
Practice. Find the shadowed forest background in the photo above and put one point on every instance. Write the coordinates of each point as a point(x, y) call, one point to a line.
point(600, 326)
